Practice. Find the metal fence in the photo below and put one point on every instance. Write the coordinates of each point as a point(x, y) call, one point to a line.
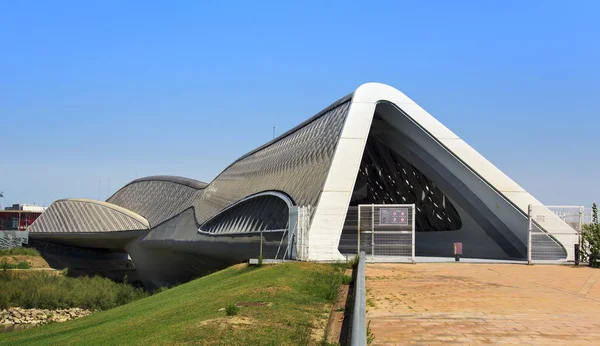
point(386, 232)
point(12, 239)
point(348, 244)
point(575, 216)
point(553, 233)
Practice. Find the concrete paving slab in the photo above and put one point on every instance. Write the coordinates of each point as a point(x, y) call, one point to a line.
point(473, 304)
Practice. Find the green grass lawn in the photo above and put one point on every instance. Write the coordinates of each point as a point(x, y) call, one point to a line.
point(296, 296)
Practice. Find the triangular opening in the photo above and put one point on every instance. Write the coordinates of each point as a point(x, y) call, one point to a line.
point(395, 169)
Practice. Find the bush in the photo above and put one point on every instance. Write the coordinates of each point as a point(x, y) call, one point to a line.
point(232, 310)
point(45, 290)
point(591, 239)
point(346, 279)
point(353, 263)
point(23, 265)
point(19, 251)
point(5, 265)
point(260, 260)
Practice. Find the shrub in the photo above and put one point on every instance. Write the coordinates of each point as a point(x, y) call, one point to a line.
point(591, 239)
point(346, 279)
point(5, 265)
point(353, 263)
point(50, 291)
point(260, 260)
point(232, 309)
point(23, 265)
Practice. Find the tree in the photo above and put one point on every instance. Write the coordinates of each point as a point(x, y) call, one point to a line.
point(590, 239)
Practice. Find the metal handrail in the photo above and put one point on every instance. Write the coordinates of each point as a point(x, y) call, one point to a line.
point(359, 326)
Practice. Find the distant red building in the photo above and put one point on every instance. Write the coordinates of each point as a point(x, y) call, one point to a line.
point(19, 217)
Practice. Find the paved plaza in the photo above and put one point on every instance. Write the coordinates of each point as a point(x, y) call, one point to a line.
point(473, 304)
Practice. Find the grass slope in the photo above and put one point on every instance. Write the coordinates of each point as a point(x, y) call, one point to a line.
point(19, 251)
point(298, 296)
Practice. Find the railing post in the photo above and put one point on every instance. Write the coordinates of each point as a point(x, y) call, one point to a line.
point(372, 232)
point(413, 234)
point(260, 256)
point(529, 229)
point(358, 246)
point(580, 235)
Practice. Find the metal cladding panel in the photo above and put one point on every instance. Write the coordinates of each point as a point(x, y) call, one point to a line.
point(12, 239)
point(65, 216)
point(156, 200)
point(296, 164)
point(261, 213)
point(196, 184)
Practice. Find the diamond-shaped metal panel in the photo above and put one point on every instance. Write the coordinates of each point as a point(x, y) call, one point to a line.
point(156, 200)
point(296, 164)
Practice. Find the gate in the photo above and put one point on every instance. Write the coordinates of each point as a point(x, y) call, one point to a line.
point(386, 232)
point(553, 233)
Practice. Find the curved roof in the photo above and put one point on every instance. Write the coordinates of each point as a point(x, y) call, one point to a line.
point(158, 198)
point(196, 184)
point(87, 216)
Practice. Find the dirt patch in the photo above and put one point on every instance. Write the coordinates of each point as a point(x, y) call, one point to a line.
point(235, 321)
point(277, 289)
point(34, 261)
point(244, 304)
point(239, 266)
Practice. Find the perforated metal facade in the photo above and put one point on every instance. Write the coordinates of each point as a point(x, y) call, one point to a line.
point(12, 239)
point(157, 199)
point(255, 214)
point(296, 164)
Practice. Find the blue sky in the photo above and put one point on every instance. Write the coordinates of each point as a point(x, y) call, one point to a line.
point(108, 90)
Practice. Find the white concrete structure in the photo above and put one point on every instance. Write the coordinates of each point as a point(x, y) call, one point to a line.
point(497, 196)
point(374, 146)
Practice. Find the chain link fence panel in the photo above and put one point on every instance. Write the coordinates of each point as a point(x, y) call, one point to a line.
point(553, 233)
point(386, 232)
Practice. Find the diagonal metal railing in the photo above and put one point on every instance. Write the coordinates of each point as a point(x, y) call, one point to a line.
point(359, 325)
